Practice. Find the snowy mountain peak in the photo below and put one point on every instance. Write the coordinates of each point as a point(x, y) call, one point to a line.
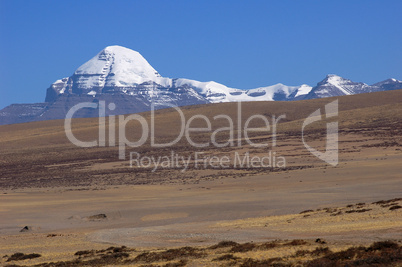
point(303, 90)
point(334, 85)
point(117, 70)
point(116, 66)
point(390, 81)
point(389, 84)
point(334, 79)
point(333, 76)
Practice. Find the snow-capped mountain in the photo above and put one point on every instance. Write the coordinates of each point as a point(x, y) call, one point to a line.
point(118, 69)
point(334, 85)
point(390, 84)
point(123, 76)
point(115, 68)
point(215, 92)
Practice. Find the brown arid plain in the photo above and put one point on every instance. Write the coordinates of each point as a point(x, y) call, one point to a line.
point(63, 205)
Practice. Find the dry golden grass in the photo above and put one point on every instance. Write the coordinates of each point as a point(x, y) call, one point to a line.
point(48, 183)
point(333, 220)
point(38, 154)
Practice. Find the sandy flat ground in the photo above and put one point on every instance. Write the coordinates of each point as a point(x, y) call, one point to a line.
point(253, 208)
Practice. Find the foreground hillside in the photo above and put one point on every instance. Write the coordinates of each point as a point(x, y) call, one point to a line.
point(83, 206)
point(39, 154)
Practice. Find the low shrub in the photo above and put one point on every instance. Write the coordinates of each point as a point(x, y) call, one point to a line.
point(224, 244)
point(243, 247)
point(21, 256)
point(226, 257)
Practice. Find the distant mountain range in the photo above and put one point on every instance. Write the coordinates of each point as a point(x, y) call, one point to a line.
point(122, 76)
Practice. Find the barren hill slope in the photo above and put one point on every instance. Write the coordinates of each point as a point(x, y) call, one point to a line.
point(39, 153)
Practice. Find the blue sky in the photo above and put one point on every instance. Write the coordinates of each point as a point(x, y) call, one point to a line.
point(242, 44)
